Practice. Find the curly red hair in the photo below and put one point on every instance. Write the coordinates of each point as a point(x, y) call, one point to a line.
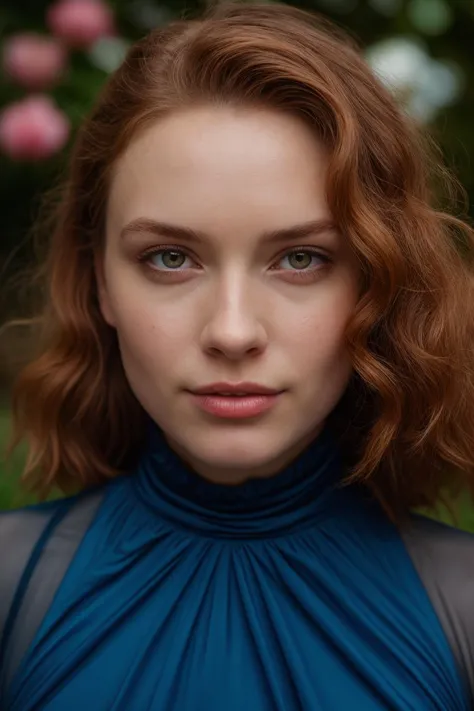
point(407, 418)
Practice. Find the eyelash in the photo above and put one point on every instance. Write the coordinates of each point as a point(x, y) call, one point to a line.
point(144, 258)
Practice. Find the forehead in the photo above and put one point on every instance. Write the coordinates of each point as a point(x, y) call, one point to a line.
point(222, 168)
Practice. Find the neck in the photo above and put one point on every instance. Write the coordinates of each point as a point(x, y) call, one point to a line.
point(294, 497)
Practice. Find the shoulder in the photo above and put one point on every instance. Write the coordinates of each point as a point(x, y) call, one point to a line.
point(16, 524)
point(19, 527)
point(444, 559)
point(444, 555)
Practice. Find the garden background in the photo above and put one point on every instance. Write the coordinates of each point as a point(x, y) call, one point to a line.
point(56, 55)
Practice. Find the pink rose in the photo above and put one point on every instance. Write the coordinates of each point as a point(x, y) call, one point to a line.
point(34, 61)
point(80, 22)
point(33, 129)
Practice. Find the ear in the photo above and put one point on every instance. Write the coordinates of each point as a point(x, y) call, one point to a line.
point(102, 291)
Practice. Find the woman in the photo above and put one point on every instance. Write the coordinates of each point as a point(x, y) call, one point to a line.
point(254, 362)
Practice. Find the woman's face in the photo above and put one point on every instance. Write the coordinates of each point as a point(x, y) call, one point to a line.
point(213, 274)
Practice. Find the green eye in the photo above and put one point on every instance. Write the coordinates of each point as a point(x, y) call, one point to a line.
point(303, 260)
point(300, 260)
point(170, 259)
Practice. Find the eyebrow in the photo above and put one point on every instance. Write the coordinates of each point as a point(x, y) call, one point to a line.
point(144, 225)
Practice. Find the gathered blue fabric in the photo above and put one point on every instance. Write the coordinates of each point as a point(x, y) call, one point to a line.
point(291, 593)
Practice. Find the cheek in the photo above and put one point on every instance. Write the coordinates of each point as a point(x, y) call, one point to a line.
point(150, 335)
point(321, 358)
point(317, 331)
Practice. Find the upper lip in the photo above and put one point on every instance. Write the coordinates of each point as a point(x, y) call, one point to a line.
point(234, 388)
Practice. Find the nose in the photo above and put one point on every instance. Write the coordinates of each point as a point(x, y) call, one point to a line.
point(233, 328)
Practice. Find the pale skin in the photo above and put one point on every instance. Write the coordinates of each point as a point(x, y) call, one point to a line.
point(233, 303)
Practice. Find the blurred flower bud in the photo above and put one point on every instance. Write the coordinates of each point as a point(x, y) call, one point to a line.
point(33, 129)
point(34, 61)
point(80, 22)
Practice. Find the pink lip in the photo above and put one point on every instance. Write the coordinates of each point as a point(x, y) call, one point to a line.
point(256, 400)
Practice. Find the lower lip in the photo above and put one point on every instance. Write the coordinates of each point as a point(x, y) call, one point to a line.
point(236, 407)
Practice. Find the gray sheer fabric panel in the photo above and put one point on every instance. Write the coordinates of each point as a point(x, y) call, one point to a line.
point(19, 532)
point(48, 574)
point(444, 559)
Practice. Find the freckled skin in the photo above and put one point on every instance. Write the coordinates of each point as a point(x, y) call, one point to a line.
point(231, 306)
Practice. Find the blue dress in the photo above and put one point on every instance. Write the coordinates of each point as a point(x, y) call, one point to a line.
point(290, 593)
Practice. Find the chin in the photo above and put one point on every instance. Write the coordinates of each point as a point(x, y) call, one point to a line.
point(240, 456)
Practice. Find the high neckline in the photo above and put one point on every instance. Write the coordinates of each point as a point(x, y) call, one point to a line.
point(271, 506)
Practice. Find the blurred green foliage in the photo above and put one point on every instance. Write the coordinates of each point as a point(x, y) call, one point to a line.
point(10, 493)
